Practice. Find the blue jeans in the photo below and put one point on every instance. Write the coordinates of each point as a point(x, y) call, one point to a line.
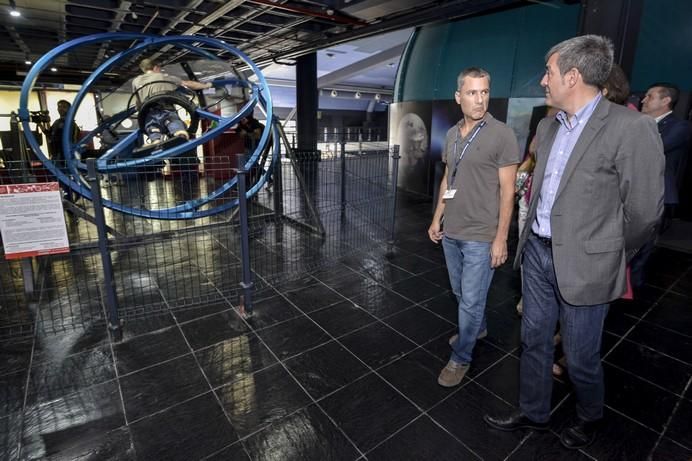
point(581, 328)
point(161, 121)
point(470, 274)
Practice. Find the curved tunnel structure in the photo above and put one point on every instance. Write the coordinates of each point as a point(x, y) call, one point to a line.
point(121, 157)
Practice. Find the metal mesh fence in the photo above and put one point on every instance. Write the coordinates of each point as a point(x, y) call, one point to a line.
point(314, 211)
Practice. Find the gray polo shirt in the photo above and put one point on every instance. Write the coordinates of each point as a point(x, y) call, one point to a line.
point(153, 83)
point(473, 213)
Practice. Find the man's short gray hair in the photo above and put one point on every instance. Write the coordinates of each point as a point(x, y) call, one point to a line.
point(473, 72)
point(591, 55)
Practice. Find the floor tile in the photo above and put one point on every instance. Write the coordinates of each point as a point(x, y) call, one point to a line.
point(369, 411)
point(135, 353)
point(445, 306)
point(417, 289)
point(305, 435)
point(213, 329)
point(380, 301)
point(644, 402)
point(234, 358)
point(415, 376)
point(80, 443)
point(462, 415)
point(680, 427)
point(545, 446)
point(270, 311)
point(325, 369)
point(12, 386)
point(672, 312)
point(191, 430)
point(439, 276)
point(385, 273)
point(421, 440)
point(235, 452)
point(10, 435)
point(504, 330)
point(187, 314)
point(313, 297)
point(91, 412)
point(293, 337)
point(651, 365)
point(665, 341)
point(53, 379)
point(668, 450)
point(15, 355)
point(412, 263)
point(342, 318)
point(618, 322)
point(418, 324)
point(161, 386)
point(377, 344)
point(255, 401)
point(146, 324)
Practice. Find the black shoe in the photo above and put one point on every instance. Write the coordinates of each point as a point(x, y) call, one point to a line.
point(580, 435)
point(514, 422)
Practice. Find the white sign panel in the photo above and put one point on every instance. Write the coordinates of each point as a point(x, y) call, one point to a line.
point(31, 220)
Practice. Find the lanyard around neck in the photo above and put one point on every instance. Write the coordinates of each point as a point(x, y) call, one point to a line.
point(468, 142)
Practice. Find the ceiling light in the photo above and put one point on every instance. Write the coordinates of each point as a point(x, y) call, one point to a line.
point(27, 62)
point(378, 96)
point(358, 95)
point(14, 12)
point(134, 15)
point(334, 93)
point(53, 69)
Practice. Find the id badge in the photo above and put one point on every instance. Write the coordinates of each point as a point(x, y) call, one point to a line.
point(449, 194)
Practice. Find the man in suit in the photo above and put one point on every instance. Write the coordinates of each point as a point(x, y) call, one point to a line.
point(598, 194)
point(659, 102)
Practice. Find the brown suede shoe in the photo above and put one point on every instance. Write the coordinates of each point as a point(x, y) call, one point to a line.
point(452, 374)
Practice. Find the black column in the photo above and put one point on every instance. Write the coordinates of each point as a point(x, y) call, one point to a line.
point(617, 19)
point(306, 102)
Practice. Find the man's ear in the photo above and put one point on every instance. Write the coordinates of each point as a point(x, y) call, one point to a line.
point(667, 100)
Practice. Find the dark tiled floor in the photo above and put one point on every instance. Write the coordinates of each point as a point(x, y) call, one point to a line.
point(341, 364)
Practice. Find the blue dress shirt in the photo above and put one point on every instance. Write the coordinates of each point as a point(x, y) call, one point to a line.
point(565, 140)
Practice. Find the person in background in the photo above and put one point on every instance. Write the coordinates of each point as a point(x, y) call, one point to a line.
point(54, 135)
point(659, 103)
point(476, 199)
point(162, 119)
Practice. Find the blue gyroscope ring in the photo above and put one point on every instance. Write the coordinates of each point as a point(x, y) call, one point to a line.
point(116, 159)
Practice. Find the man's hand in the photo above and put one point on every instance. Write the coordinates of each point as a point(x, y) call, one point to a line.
point(434, 232)
point(498, 253)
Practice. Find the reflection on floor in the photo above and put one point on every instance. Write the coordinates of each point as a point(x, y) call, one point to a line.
point(342, 364)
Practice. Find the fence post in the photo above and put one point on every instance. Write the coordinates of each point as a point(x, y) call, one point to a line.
point(394, 150)
point(111, 298)
point(246, 284)
point(28, 276)
point(343, 176)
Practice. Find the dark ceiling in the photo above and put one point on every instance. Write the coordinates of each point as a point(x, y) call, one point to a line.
point(265, 30)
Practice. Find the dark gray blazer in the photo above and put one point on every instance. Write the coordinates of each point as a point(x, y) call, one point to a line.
point(608, 203)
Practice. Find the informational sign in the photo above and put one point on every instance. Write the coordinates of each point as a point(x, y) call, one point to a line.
point(31, 220)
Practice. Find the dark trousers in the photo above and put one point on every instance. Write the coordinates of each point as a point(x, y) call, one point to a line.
point(581, 328)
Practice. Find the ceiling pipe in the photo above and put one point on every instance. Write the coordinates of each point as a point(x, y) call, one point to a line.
point(334, 17)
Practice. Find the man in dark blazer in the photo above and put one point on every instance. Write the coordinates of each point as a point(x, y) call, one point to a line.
point(659, 102)
point(598, 194)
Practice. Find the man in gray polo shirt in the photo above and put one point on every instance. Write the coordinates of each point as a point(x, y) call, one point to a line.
point(475, 202)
